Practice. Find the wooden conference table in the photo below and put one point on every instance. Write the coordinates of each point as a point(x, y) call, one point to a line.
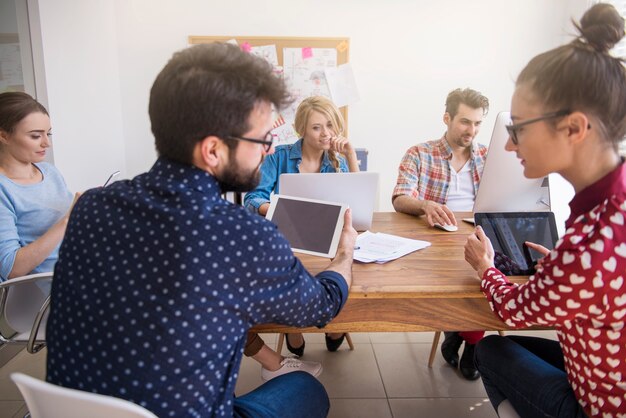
point(433, 289)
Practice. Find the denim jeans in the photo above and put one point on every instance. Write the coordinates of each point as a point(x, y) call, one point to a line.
point(296, 394)
point(530, 373)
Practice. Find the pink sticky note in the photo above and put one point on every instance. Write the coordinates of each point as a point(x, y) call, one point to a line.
point(307, 52)
point(245, 47)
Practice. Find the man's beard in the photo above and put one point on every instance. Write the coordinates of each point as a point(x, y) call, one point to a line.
point(233, 180)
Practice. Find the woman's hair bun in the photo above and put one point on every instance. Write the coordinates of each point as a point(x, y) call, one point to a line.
point(601, 27)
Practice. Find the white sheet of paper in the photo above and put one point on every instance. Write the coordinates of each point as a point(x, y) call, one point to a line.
point(380, 248)
point(267, 52)
point(10, 66)
point(305, 76)
point(342, 86)
point(285, 134)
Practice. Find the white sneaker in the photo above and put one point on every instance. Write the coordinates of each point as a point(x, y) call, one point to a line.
point(290, 364)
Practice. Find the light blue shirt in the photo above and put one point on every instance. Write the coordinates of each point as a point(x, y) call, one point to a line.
point(27, 212)
point(286, 159)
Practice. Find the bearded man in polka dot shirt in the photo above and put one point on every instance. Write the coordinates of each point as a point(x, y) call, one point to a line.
point(159, 279)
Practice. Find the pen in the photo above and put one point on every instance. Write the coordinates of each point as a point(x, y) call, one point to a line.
point(111, 177)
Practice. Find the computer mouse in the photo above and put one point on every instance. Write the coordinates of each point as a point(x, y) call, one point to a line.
point(447, 228)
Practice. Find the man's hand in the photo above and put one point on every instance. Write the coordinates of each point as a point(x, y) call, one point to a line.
point(479, 252)
point(437, 213)
point(342, 263)
point(348, 235)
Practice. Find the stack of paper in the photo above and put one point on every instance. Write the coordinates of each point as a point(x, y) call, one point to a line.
point(380, 248)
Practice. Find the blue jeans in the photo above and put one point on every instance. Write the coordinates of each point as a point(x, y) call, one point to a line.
point(530, 373)
point(296, 394)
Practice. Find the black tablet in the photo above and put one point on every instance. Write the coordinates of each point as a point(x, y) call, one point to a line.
point(508, 232)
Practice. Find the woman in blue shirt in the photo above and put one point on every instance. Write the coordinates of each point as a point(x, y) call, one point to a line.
point(34, 200)
point(322, 148)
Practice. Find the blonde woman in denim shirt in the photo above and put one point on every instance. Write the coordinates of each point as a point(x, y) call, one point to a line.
point(322, 148)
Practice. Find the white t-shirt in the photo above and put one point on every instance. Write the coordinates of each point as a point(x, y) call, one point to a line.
point(461, 189)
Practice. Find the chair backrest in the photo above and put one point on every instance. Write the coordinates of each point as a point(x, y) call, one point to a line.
point(21, 300)
point(45, 400)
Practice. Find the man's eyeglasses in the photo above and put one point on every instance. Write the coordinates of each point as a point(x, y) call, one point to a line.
point(512, 129)
point(267, 141)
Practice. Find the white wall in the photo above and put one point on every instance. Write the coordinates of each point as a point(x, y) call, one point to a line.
point(102, 57)
point(80, 56)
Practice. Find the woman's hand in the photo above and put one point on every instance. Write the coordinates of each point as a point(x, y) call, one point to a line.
point(341, 144)
point(539, 248)
point(69, 211)
point(479, 252)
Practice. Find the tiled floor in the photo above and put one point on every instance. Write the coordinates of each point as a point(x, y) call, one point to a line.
point(386, 376)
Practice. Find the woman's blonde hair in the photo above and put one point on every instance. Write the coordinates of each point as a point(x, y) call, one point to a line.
point(327, 108)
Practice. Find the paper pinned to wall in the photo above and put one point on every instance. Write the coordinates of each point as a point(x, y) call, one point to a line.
point(305, 76)
point(341, 84)
point(11, 78)
point(284, 134)
point(267, 52)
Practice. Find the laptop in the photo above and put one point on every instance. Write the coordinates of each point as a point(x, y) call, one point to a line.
point(357, 190)
point(503, 187)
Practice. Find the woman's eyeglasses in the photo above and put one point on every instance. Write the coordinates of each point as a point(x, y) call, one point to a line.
point(512, 129)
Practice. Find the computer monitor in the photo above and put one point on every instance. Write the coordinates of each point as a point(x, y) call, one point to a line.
point(503, 187)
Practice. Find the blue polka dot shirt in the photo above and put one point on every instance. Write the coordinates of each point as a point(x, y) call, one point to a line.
point(157, 283)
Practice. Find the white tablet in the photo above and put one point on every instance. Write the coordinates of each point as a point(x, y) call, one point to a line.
point(311, 226)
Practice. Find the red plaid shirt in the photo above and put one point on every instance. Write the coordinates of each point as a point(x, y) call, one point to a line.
point(424, 171)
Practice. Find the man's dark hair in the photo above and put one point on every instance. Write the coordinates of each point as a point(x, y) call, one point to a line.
point(209, 89)
point(468, 97)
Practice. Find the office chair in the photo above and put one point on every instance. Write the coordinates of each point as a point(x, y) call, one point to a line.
point(24, 305)
point(45, 400)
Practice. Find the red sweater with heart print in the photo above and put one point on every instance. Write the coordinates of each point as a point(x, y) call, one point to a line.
point(580, 290)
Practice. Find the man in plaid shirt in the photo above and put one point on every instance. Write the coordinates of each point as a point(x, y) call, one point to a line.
point(438, 177)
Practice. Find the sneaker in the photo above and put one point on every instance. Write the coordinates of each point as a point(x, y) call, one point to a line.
point(290, 364)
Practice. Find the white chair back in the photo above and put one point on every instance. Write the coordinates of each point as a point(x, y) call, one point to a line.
point(24, 301)
point(45, 400)
point(23, 310)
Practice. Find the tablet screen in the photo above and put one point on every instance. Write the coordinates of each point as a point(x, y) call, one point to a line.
point(509, 231)
point(309, 226)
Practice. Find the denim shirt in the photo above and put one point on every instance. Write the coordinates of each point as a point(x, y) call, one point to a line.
point(286, 159)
